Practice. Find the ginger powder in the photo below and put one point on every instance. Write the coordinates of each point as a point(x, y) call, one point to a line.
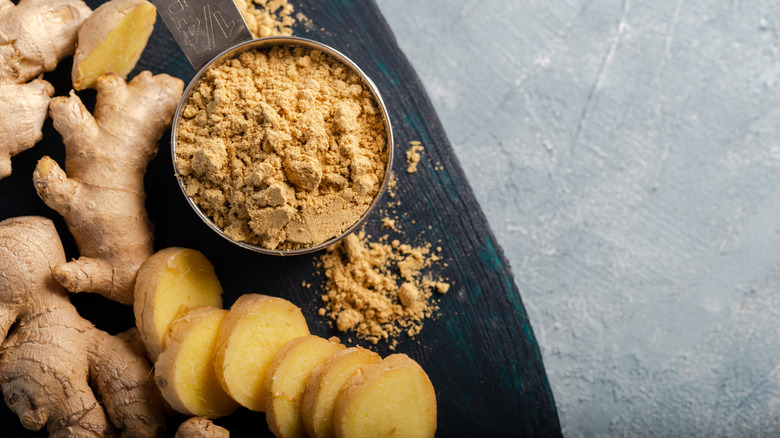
point(284, 147)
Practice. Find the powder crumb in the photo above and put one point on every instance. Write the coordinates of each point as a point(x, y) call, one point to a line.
point(306, 21)
point(283, 148)
point(376, 289)
point(413, 156)
point(388, 223)
point(347, 319)
point(266, 18)
point(392, 183)
point(439, 286)
point(408, 294)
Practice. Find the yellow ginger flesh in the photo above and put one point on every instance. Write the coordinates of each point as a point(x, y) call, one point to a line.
point(167, 281)
point(256, 327)
point(392, 398)
point(111, 40)
point(184, 371)
point(287, 378)
point(324, 384)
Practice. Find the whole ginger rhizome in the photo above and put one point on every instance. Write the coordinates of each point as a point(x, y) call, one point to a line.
point(284, 148)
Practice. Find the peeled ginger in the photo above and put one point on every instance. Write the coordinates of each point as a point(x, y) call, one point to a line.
point(324, 384)
point(392, 398)
point(184, 371)
point(253, 331)
point(287, 378)
point(111, 40)
point(171, 279)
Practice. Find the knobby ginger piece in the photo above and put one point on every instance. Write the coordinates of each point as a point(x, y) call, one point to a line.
point(324, 384)
point(102, 196)
point(34, 36)
point(167, 281)
point(23, 109)
point(255, 328)
point(391, 398)
point(56, 369)
point(184, 371)
point(111, 40)
point(287, 378)
point(199, 427)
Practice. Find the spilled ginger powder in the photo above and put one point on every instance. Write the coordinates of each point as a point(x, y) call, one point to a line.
point(266, 18)
point(413, 156)
point(377, 289)
point(284, 148)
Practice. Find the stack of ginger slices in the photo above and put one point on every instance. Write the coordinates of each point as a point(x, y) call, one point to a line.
point(259, 354)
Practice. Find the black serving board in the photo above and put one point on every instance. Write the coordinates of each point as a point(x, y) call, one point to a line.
point(480, 351)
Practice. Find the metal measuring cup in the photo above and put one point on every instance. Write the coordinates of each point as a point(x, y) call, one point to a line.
point(209, 31)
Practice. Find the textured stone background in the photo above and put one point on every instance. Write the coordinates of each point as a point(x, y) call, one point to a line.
point(627, 156)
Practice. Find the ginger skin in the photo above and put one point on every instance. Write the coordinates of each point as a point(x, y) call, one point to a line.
point(34, 36)
point(54, 362)
point(199, 427)
point(102, 196)
point(23, 109)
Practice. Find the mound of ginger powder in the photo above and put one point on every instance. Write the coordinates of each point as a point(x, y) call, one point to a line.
point(284, 148)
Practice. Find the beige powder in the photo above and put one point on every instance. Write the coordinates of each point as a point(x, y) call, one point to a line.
point(413, 156)
point(379, 289)
point(266, 18)
point(283, 148)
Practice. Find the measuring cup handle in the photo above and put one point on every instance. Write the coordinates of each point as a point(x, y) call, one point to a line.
point(203, 28)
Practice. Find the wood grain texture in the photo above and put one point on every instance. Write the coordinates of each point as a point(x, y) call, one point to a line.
point(480, 352)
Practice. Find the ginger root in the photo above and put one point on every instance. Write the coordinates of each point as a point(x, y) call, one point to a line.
point(56, 369)
point(23, 109)
point(111, 40)
point(199, 427)
point(34, 36)
point(102, 197)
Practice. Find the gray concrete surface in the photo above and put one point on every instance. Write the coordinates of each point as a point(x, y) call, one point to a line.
point(627, 156)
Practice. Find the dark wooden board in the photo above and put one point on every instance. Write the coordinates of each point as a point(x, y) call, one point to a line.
point(480, 352)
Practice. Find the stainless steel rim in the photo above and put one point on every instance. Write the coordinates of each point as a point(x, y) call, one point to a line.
point(265, 43)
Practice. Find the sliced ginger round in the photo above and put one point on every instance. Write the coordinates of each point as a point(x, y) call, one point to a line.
point(392, 398)
point(167, 281)
point(184, 371)
point(287, 377)
point(324, 384)
point(253, 331)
